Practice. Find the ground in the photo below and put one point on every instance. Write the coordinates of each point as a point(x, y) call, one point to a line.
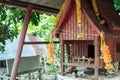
point(115, 76)
point(60, 77)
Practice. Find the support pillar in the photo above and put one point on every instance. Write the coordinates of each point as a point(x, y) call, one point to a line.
point(62, 59)
point(21, 43)
point(96, 44)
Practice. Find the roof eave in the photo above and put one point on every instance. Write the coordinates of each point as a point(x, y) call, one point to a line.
point(63, 16)
point(36, 7)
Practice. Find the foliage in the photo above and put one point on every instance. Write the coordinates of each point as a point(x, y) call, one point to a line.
point(44, 27)
point(8, 25)
point(52, 68)
point(116, 4)
point(10, 19)
point(11, 22)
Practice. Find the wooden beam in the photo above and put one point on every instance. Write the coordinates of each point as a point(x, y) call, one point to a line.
point(20, 45)
point(91, 22)
point(43, 42)
point(109, 14)
point(36, 7)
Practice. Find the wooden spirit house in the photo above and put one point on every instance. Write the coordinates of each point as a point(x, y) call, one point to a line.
point(85, 51)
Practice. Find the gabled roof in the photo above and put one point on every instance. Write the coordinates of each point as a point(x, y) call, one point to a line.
point(89, 13)
point(109, 14)
point(88, 9)
point(28, 50)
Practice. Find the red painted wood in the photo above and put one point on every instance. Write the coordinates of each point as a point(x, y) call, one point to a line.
point(92, 29)
point(108, 13)
point(21, 42)
point(69, 27)
point(65, 11)
point(68, 50)
point(96, 44)
point(40, 42)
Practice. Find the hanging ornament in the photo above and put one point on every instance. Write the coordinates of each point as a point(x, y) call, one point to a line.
point(108, 66)
point(106, 55)
point(78, 9)
point(95, 9)
point(81, 35)
point(59, 15)
point(50, 61)
point(50, 51)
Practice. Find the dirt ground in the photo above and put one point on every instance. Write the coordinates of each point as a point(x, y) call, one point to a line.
point(56, 76)
point(115, 76)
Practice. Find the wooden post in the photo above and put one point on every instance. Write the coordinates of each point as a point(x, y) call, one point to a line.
point(21, 42)
point(62, 59)
point(96, 45)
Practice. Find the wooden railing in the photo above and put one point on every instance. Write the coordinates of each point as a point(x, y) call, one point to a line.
point(82, 60)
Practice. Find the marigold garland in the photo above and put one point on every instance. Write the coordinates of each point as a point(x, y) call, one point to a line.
point(81, 35)
point(95, 7)
point(50, 61)
point(106, 55)
point(78, 9)
point(59, 15)
point(50, 51)
point(97, 12)
point(50, 45)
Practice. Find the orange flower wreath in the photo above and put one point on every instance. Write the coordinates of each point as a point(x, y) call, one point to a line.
point(50, 52)
point(106, 55)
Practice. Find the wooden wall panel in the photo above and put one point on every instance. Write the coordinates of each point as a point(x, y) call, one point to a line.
point(77, 48)
point(70, 30)
point(118, 48)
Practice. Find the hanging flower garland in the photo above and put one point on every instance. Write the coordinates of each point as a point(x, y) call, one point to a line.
point(50, 51)
point(51, 45)
point(97, 12)
point(79, 17)
point(106, 55)
point(81, 35)
point(78, 9)
point(59, 15)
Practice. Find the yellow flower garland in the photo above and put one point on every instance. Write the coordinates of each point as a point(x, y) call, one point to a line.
point(50, 45)
point(95, 7)
point(59, 15)
point(97, 12)
point(106, 55)
point(78, 9)
point(81, 35)
point(50, 61)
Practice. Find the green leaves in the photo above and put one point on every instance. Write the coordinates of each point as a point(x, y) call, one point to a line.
point(9, 19)
point(45, 26)
point(11, 22)
point(116, 4)
point(35, 18)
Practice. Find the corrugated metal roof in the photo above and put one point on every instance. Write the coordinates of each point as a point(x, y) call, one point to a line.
point(49, 3)
point(42, 6)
